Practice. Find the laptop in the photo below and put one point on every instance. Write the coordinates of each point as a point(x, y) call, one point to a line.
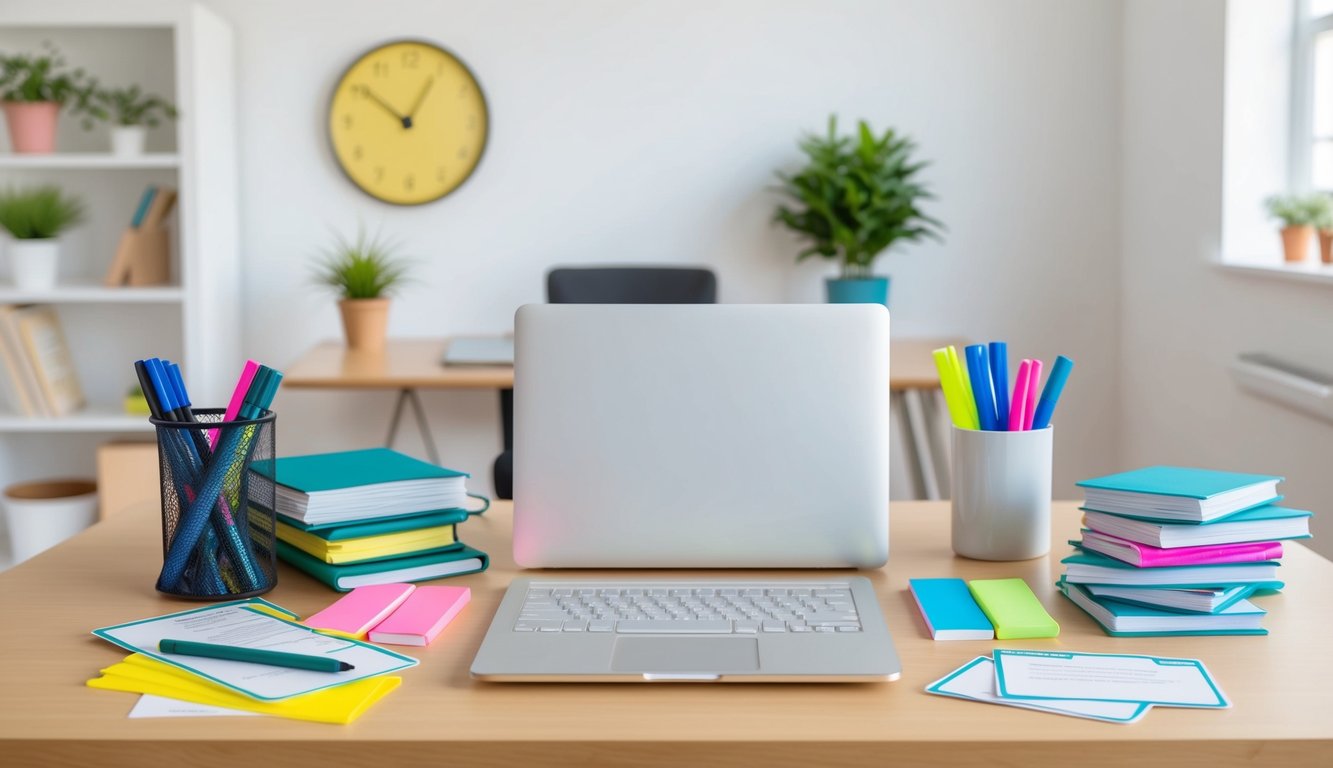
point(697, 436)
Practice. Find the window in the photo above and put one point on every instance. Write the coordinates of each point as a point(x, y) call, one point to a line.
point(1312, 112)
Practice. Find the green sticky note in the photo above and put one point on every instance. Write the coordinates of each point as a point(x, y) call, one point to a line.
point(1013, 609)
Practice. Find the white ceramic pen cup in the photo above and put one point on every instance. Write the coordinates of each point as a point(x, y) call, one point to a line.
point(1002, 494)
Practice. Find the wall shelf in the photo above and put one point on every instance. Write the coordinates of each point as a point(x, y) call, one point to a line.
point(89, 291)
point(91, 419)
point(80, 161)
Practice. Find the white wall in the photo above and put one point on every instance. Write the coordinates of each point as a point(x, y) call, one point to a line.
point(1183, 319)
point(649, 132)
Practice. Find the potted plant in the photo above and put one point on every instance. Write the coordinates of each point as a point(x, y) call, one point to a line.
point(856, 198)
point(364, 272)
point(1324, 226)
point(33, 88)
point(1298, 214)
point(35, 217)
point(131, 113)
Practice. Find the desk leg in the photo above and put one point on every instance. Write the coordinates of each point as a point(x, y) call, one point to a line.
point(410, 397)
point(918, 433)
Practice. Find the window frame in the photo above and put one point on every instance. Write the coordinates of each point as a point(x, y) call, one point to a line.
point(1306, 29)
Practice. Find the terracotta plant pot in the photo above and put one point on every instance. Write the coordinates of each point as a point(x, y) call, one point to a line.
point(1296, 242)
point(366, 323)
point(1326, 246)
point(32, 126)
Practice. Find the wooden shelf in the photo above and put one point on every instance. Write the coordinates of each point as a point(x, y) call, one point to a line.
point(88, 291)
point(88, 161)
point(95, 418)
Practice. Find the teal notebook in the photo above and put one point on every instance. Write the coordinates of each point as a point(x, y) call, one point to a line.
point(1179, 494)
point(351, 469)
point(344, 578)
point(378, 526)
point(1092, 568)
point(1174, 600)
point(1177, 481)
point(1124, 620)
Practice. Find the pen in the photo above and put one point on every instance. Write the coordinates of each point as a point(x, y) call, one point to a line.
point(1034, 379)
point(978, 369)
point(1055, 384)
point(969, 402)
point(953, 393)
point(1017, 419)
point(254, 656)
point(999, 373)
point(237, 398)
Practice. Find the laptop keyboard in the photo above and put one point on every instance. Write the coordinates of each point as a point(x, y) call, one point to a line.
point(694, 608)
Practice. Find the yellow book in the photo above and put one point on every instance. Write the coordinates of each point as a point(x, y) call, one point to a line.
point(341, 705)
point(368, 547)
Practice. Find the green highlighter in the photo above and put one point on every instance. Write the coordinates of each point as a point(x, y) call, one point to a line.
point(1013, 609)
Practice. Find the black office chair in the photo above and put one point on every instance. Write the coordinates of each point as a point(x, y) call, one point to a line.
point(605, 285)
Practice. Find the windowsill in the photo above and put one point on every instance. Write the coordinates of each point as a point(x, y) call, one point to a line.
point(1306, 272)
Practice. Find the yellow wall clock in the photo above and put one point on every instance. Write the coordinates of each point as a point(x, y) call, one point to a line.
point(408, 122)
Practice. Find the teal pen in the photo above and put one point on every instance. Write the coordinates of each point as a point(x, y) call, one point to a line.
point(254, 656)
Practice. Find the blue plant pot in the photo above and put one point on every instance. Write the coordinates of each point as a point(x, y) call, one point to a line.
point(865, 290)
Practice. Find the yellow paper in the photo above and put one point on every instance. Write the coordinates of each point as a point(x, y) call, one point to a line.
point(141, 674)
point(367, 547)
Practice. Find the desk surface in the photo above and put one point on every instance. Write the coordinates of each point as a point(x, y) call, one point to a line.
point(1279, 683)
point(415, 363)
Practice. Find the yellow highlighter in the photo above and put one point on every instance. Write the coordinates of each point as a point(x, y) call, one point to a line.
point(953, 393)
point(965, 382)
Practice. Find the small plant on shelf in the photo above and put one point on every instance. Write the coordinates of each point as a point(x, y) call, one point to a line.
point(364, 272)
point(33, 89)
point(36, 217)
point(131, 112)
point(1299, 216)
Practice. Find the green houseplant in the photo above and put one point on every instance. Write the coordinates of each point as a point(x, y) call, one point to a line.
point(131, 112)
point(35, 218)
point(1299, 215)
point(364, 272)
point(33, 89)
point(857, 197)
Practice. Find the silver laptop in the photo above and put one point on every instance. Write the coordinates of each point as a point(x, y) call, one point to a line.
point(697, 436)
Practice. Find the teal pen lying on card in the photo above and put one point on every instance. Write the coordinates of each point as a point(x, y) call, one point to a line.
point(254, 656)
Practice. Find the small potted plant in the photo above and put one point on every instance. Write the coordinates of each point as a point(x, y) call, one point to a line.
point(856, 198)
point(1298, 214)
point(1324, 226)
point(131, 113)
point(36, 217)
point(364, 272)
point(33, 88)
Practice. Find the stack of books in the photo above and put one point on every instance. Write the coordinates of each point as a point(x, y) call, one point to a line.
point(375, 516)
point(1178, 551)
point(39, 379)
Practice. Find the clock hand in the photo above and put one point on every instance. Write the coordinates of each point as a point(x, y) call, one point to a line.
point(411, 113)
point(406, 121)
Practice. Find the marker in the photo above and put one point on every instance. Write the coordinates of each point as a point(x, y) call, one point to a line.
point(1017, 419)
point(999, 373)
point(960, 373)
point(1034, 380)
point(1050, 396)
point(979, 372)
point(953, 391)
point(237, 398)
point(254, 656)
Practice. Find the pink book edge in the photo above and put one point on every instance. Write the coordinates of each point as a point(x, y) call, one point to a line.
point(1209, 554)
point(408, 619)
point(237, 398)
point(358, 611)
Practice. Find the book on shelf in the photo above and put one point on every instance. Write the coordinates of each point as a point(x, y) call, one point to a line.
point(361, 485)
point(1264, 523)
point(1121, 619)
point(42, 379)
point(1179, 494)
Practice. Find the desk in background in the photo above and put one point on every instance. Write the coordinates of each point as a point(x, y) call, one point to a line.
point(410, 365)
point(1279, 683)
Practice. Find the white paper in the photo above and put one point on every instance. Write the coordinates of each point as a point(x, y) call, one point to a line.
point(976, 681)
point(1105, 677)
point(160, 706)
point(234, 624)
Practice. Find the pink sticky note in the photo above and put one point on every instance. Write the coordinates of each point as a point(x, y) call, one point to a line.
point(364, 607)
point(422, 616)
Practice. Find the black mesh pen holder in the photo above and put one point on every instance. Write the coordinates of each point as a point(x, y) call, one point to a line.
point(218, 527)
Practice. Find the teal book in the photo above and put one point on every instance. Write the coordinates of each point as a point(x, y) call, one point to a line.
point(1266, 522)
point(1092, 568)
point(1124, 620)
point(360, 485)
point(1175, 600)
point(380, 526)
point(1179, 494)
point(344, 578)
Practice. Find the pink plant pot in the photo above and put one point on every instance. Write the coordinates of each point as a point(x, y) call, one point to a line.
point(32, 126)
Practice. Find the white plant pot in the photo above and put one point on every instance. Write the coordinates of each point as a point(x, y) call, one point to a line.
point(128, 140)
point(40, 515)
point(34, 263)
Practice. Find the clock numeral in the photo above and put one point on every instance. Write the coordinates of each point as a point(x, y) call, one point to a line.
point(409, 182)
point(381, 69)
point(357, 154)
point(439, 173)
point(411, 59)
point(379, 173)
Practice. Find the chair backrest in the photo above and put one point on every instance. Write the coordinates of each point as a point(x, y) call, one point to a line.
point(631, 285)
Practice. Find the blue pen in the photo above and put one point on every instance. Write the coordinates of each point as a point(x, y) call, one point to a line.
point(979, 371)
point(999, 373)
point(1050, 395)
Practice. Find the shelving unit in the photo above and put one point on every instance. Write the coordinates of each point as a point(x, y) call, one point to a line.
point(183, 51)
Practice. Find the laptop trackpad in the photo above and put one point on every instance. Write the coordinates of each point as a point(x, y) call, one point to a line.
point(685, 654)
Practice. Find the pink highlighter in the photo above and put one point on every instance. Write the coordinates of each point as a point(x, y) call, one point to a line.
point(1034, 383)
point(237, 399)
point(1018, 403)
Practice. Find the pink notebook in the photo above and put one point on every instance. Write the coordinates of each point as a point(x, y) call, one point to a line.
point(1146, 556)
point(421, 617)
point(364, 607)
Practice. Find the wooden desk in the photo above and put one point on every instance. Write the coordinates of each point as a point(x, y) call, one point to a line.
point(439, 716)
point(409, 365)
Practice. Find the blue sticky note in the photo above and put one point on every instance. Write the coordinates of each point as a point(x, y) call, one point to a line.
point(949, 610)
